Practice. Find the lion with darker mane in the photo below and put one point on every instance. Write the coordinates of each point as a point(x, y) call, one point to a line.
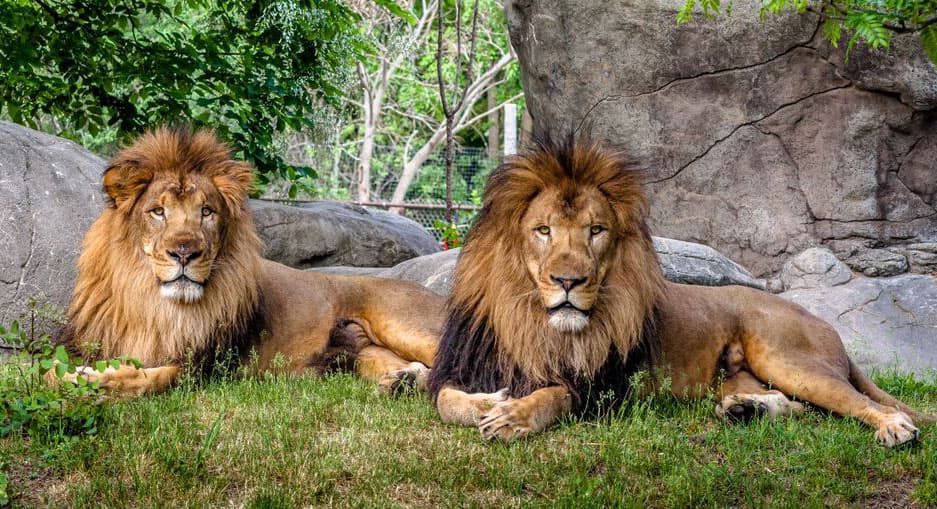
point(559, 299)
point(171, 274)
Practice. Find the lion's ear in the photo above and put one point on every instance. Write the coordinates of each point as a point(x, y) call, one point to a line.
point(124, 182)
point(235, 183)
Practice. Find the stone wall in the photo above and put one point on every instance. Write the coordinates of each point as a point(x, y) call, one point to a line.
point(759, 140)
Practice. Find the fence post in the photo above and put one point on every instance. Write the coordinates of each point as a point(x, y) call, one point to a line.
point(510, 129)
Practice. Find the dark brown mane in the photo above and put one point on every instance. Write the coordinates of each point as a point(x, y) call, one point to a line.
point(492, 339)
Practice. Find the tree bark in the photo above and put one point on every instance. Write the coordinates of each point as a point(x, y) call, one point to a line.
point(494, 133)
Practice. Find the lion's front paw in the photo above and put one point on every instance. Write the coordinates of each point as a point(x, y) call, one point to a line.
point(413, 378)
point(508, 420)
point(896, 429)
point(90, 375)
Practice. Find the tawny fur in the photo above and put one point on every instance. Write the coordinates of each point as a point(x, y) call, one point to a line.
point(492, 287)
point(756, 351)
point(117, 310)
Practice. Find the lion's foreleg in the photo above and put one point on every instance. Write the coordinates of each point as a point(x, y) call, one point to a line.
point(517, 418)
point(459, 407)
point(127, 381)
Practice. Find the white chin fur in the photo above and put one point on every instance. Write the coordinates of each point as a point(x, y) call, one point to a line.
point(568, 320)
point(181, 290)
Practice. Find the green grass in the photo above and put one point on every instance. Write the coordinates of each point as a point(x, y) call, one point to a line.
point(335, 441)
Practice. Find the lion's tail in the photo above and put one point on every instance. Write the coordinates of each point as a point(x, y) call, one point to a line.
point(866, 386)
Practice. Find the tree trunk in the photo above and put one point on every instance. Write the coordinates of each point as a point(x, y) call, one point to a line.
point(364, 163)
point(527, 130)
point(494, 133)
point(411, 167)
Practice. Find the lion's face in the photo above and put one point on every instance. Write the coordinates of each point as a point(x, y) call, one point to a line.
point(569, 245)
point(176, 193)
point(180, 230)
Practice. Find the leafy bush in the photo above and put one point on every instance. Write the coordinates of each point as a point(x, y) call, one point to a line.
point(873, 21)
point(252, 70)
point(47, 412)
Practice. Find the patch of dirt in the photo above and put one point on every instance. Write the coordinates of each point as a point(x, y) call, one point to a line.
point(34, 485)
point(891, 494)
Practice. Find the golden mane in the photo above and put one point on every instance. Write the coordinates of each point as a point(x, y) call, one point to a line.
point(116, 308)
point(496, 336)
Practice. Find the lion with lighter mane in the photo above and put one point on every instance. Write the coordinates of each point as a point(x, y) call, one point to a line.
point(559, 300)
point(171, 274)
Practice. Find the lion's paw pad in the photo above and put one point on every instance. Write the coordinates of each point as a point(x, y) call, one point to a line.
point(898, 429)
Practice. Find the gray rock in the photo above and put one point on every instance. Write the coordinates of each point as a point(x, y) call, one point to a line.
point(904, 69)
point(682, 262)
point(760, 141)
point(865, 257)
point(885, 323)
point(49, 196)
point(326, 233)
point(816, 267)
point(922, 257)
point(696, 264)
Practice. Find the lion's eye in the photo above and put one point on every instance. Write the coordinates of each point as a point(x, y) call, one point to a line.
point(207, 211)
point(596, 229)
point(543, 230)
point(158, 212)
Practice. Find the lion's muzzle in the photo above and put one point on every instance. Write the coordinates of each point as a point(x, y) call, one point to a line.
point(182, 289)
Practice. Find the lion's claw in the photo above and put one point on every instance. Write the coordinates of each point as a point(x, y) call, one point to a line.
point(507, 421)
point(898, 430)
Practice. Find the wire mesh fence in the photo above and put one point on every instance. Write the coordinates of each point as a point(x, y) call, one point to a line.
point(425, 198)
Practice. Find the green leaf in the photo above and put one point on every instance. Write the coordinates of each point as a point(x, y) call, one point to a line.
point(832, 31)
point(60, 354)
point(396, 10)
point(60, 370)
point(114, 363)
point(929, 41)
point(100, 366)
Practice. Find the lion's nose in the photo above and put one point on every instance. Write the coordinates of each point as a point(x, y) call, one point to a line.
point(184, 254)
point(568, 283)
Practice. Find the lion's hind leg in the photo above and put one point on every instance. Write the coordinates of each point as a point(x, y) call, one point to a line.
point(392, 374)
point(351, 344)
point(744, 397)
point(826, 387)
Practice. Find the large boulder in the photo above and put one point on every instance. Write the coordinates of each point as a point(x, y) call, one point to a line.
point(682, 262)
point(885, 323)
point(760, 140)
point(327, 233)
point(49, 196)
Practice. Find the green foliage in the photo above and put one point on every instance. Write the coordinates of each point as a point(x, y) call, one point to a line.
point(873, 21)
point(49, 414)
point(252, 70)
point(929, 40)
point(449, 234)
